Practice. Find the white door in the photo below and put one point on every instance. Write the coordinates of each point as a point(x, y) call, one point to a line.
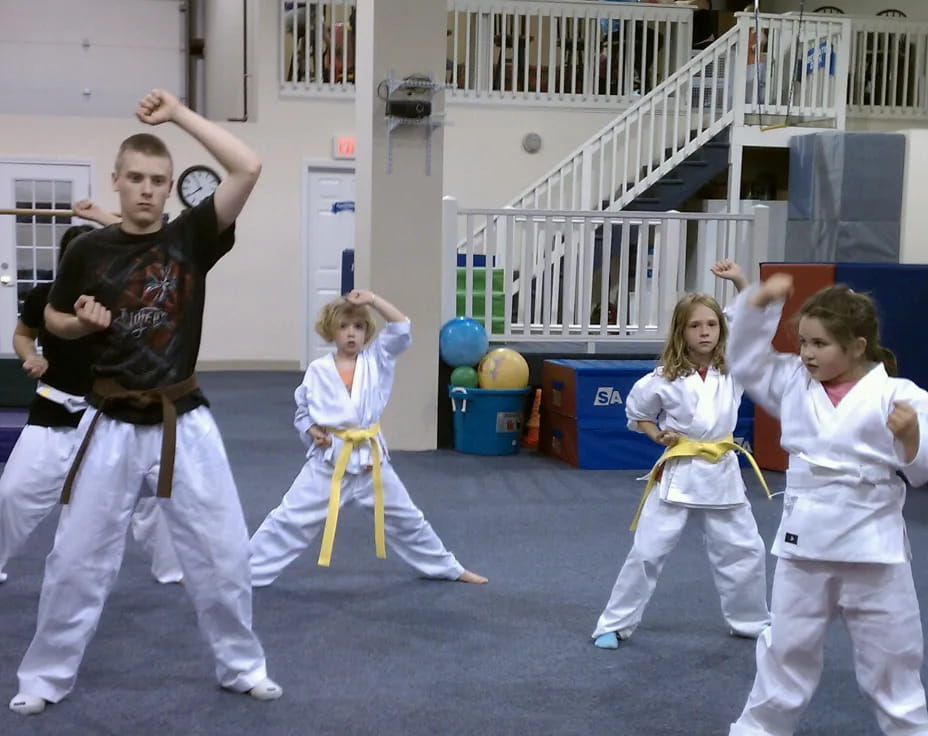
point(329, 230)
point(29, 244)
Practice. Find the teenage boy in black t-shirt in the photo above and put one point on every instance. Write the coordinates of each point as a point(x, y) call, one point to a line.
point(35, 471)
point(140, 286)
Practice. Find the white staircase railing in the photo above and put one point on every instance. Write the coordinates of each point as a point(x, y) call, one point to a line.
point(548, 268)
point(612, 168)
point(594, 276)
point(648, 139)
point(803, 72)
point(640, 146)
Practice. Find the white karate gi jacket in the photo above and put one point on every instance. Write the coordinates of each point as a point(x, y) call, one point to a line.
point(699, 410)
point(323, 399)
point(843, 499)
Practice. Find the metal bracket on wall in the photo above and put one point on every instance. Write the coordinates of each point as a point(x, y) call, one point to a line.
point(435, 121)
point(430, 123)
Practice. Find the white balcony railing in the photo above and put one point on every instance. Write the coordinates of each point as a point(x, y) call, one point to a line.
point(522, 52)
point(802, 64)
point(569, 276)
point(603, 53)
point(888, 68)
point(317, 54)
point(563, 51)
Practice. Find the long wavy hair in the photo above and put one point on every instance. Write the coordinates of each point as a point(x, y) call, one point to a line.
point(675, 358)
point(847, 315)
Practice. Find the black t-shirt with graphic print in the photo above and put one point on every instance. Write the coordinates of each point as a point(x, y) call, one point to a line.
point(155, 287)
point(68, 364)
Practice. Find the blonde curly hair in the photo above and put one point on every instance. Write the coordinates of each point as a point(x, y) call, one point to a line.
point(332, 314)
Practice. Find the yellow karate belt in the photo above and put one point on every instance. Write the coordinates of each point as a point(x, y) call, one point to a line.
point(711, 451)
point(352, 438)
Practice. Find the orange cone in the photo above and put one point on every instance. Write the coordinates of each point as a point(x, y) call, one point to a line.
point(530, 438)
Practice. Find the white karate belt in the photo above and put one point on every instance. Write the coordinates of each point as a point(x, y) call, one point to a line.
point(72, 403)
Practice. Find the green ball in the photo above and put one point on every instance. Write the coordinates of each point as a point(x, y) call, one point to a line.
point(464, 376)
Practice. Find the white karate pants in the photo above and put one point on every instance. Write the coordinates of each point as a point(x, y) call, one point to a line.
point(880, 610)
point(31, 486)
point(208, 531)
point(291, 527)
point(151, 530)
point(736, 553)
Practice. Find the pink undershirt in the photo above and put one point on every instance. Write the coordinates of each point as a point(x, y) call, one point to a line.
point(838, 391)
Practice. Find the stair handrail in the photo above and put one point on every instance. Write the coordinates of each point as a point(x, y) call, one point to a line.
point(686, 71)
point(581, 158)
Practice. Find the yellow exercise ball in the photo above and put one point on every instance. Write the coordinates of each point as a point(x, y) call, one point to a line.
point(503, 368)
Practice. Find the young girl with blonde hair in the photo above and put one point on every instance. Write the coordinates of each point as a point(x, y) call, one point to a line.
point(690, 403)
point(339, 405)
point(849, 429)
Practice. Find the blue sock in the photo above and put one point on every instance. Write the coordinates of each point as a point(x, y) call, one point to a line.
point(609, 640)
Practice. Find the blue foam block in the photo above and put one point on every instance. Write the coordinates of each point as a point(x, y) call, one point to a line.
point(901, 295)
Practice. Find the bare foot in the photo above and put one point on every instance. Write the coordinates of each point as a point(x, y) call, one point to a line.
point(471, 577)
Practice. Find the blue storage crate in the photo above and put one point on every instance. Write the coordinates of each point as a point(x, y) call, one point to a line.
point(487, 421)
point(596, 444)
point(590, 389)
point(583, 415)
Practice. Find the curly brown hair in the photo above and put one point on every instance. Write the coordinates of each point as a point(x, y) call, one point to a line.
point(847, 315)
point(338, 309)
point(675, 358)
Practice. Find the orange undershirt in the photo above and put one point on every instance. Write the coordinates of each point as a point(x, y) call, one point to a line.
point(347, 376)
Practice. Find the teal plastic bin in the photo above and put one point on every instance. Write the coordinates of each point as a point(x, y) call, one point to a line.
point(487, 421)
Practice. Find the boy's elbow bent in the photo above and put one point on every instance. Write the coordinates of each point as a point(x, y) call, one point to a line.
point(252, 170)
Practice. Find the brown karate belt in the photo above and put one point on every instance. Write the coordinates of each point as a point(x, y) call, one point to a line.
point(111, 392)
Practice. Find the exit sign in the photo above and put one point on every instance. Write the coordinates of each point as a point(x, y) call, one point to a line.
point(343, 146)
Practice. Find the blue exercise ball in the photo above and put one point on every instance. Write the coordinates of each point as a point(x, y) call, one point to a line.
point(462, 341)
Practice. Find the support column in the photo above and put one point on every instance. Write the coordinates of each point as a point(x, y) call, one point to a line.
point(398, 215)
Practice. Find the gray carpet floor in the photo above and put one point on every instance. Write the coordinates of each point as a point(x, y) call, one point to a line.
point(367, 647)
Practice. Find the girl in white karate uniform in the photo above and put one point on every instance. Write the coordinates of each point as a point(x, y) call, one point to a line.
point(348, 390)
point(692, 396)
point(848, 428)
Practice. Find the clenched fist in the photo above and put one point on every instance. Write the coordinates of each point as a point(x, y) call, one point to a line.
point(93, 315)
point(35, 366)
point(903, 423)
point(157, 107)
point(667, 438)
